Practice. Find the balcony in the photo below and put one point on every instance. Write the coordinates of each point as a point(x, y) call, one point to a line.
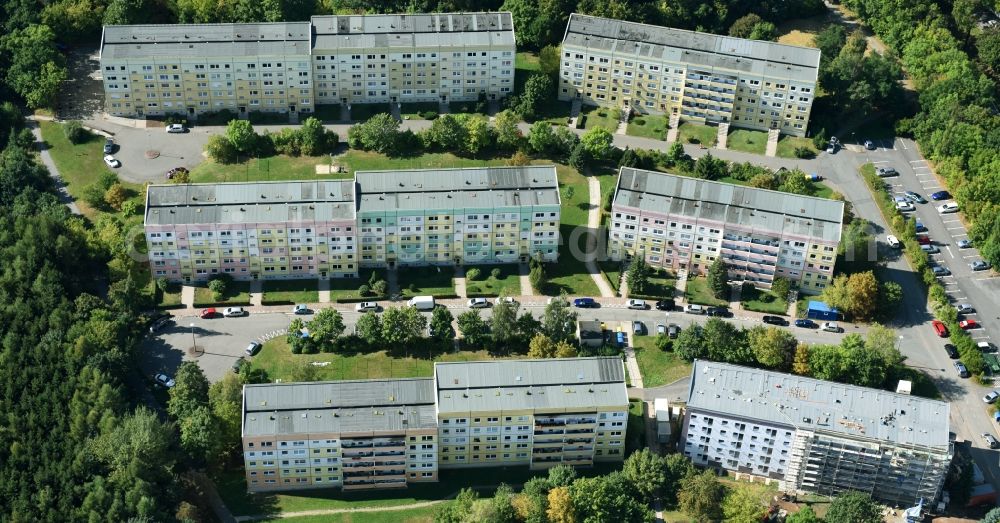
point(356, 454)
point(390, 443)
point(389, 453)
point(546, 450)
point(352, 444)
point(547, 459)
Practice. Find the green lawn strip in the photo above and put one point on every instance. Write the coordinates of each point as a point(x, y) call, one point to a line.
point(635, 430)
point(355, 160)
point(237, 293)
point(346, 289)
point(697, 291)
point(605, 117)
point(788, 144)
point(81, 165)
point(612, 271)
point(758, 300)
point(570, 273)
point(273, 168)
point(261, 118)
point(747, 141)
point(327, 112)
point(170, 298)
point(427, 281)
point(410, 515)
point(649, 126)
point(416, 111)
point(362, 112)
point(802, 306)
point(704, 134)
point(822, 190)
point(660, 284)
point(508, 284)
point(658, 367)
point(290, 292)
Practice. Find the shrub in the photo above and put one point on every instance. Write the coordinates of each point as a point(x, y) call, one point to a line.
point(75, 132)
point(364, 290)
point(473, 274)
point(473, 289)
point(429, 115)
point(496, 273)
point(218, 288)
point(220, 149)
point(804, 152)
point(115, 196)
point(380, 288)
point(162, 284)
point(581, 121)
point(412, 287)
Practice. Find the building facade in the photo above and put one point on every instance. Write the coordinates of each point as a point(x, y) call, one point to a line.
point(260, 230)
point(698, 76)
point(289, 67)
point(458, 216)
point(678, 222)
point(390, 433)
point(395, 58)
point(815, 436)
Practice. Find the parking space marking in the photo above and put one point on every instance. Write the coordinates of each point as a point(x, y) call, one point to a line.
point(932, 187)
point(954, 228)
point(953, 220)
point(971, 256)
point(880, 161)
point(948, 248)
point(901, 142)
point(923, 174)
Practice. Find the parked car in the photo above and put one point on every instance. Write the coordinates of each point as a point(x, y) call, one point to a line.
point(831, 148)
point(991, 396)
point(940, 195)
point(253, 348)
point(919, 226)
point(301, 309)
point(665, 305)
point(893, 242)
point(903, 205)
point(962, 370)
point(176, 128)
point(805, 323)
point(110, 161)
point(965, 308)
point(207, 314)
point(979, 265)
point(914, 197)
point(234, 312)
point(478, 303)
point(673, 331)
point(951, 350)
point(774, 320)
point(366, 306)
point(964, 244)
point(947, 208)
point(160, 323)
point(968, 324)
point(238, 364)
point(885, 172)
point(940, 328)
point(505, 299)
point(831, 326)
point(719, 312)
point(990, 440)
point(923, 239)
point(639, 305)
point(661, 329)
point(930, 249)
point(638, 328)
point(109, 146)
point(940, 271)
point(694, 309)
point(870, 145)
point(985, 346)
point(585, 303)
point(164, 380)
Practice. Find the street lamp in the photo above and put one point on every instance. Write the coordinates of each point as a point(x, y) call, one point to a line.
point(194, 345)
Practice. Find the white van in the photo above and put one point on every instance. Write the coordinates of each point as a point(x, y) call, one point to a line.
point(893, 242)
point(422, 303)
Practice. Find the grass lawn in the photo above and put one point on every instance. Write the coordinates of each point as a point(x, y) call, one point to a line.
point(362, 112)
point(649, 126)
point(290, 291)
point(661, 284)
point(612, 271)
point(411, 515)
point(787, 145)
point(600, 117)
point(354, 160)
point(698, 292)
point(274, 168)
point(658, 367)
point(747, 141)
point(347, 288)
point(801, 31)
point(237, 293)
point(427, 281)
point(81, 165)
point(689, 132)
point(327, 112)
point(413, 111)
point(169, 298)
point(754, 299)
point(570, 274)
point(261, 118)
point(509, 282)
point(820, 189)
point(635, 431)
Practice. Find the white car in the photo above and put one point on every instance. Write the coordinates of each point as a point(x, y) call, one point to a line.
point(301, 309)
point(965, 308)
point(478, 303)
point(234, 312)
point(164, 380)
point(111, 161)
point(505, 299)
point(893, 242)
point(694, 309)
point(366, 306)
point(639, 305)
point(661, 329)
point(831, 326)
point(176, 128)
point(991, 396)
point(903, 205)
point(949, 207)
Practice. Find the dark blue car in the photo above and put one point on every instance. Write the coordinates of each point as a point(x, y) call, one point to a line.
point(941, 195)
point(802, 322)
point(585, 303)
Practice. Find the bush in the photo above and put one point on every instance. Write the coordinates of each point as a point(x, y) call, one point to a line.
point(473, 274)
point(220, 149)
point(496, 273)
point(364, 290)
point(581, 121)
point(218, 288)
point(429, 115)
point(804, 152)
point(75, 132)
point(412, 287)
point(380, 288)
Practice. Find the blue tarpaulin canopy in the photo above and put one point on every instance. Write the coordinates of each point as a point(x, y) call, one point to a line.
point(821, 311)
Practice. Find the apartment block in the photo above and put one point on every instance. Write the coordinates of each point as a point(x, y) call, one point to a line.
point(458, 216)
point(437, 57)
point(815, 436)
point(261, 230)
point(375, 434)
point(155, 70)
point(697, 76)
point(682, 223)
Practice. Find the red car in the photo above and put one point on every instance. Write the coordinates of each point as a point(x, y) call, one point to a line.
point(940, 328)
point(968, 324)
point(923, 239)
point(207, 314)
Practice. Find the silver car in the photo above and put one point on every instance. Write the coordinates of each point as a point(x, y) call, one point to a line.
point(234, 312)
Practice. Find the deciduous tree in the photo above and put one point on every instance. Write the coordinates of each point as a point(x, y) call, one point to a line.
point(539, 91)
point(743, 505)
point(854, 507)
point(242, 135)
point(772, 347)
point(862, 289)
point(441, 328)
point(645, 471)
point(36, 69)
point(700, 496)
point(800, 365)
point(475, 331)
point(508, 135)
point(560, 506)
point(559, 320)
point(718, 275)
point(190, 390)
point(369, 328)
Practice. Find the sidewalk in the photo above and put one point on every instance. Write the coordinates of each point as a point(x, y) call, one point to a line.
point(63, 194)
point(526, 289)
point(594, 223)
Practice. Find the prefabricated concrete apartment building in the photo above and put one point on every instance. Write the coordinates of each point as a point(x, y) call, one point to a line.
point(699, 77)
point(814, 436)
point(390, 433)
point(331, 228)
point(683, 223)
point(290, 67)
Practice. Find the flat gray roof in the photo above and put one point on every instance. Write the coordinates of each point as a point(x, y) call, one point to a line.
point(590, 329)
point(206, 40)
point(476, 187)
point(510, 385)
point(337, 32)
point(819, 406)
point(338, 406)
point(654, 191)
point(255, 202)
point(698, 49)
